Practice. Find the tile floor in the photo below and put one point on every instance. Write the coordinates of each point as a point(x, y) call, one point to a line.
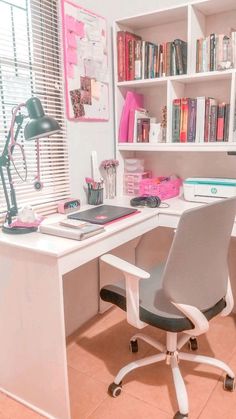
point(102, 348)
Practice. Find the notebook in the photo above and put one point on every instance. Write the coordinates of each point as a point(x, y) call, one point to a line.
point(102, 214)
point(80, 233)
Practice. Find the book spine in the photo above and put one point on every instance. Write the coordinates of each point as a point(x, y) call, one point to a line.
point(184, 120)
point(121, 55)
point(173, 60)
point(192, 109)
point(145, 130)
point(176, 120)
point(212, 52)
point(139, 130)
point(220, 122)
point(137, 59)
point(181, 56)
point(130, 74)
point(168, 58)
point(197, 56)
point(206, 125)
point(226, 122)
point(213, 124)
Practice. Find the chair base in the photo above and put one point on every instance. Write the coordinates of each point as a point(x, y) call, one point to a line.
point(170, 353)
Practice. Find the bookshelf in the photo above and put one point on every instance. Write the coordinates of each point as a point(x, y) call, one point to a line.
point(188, 22)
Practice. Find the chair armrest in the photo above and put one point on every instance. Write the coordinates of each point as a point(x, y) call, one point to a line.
point(200, 322)
point(132, 276)
point(124, 266)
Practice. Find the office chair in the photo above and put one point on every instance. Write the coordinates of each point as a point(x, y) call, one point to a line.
point(180, 296)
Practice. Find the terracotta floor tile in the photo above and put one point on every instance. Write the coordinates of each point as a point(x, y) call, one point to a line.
point(11, 409)
point(85, 394)
point(221, 404)
point(127, 407)
point(104, 353)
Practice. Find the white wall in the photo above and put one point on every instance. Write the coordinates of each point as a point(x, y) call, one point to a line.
point(83, 137)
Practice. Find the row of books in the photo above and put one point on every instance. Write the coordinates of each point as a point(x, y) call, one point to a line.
point(200, 120)
point(139, 59)
point(216, 52)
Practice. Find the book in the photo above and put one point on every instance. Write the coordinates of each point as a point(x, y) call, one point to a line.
point(176, 111)
point(138, 114)
point(200, 119)
point(81, 233)
point(181, 56)
point(192, 112)
point(220, 122)
point(213, 123)
point(184, 120)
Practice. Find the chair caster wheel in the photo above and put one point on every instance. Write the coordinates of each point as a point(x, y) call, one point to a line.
point(192, 344)
point(179, 415)
point(229, 383)
point(114, 389)
point(133, 346)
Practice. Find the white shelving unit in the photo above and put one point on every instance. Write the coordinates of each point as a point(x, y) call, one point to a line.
point(187, 22)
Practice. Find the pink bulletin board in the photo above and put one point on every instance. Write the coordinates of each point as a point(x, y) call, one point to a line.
point(85, 63)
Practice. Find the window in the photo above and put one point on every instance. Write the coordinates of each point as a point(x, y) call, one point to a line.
point(30, 65)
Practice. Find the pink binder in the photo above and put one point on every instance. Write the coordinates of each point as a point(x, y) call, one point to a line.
point(132, 101)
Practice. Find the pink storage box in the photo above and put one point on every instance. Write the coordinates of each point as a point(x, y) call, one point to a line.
point(165, 189)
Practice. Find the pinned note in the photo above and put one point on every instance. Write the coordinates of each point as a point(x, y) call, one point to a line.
point(72, 56)
point(79, 28)
point(96, 89)
point(71, 40)
point(70, 23)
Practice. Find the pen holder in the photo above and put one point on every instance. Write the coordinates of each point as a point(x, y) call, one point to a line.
point(95, 196)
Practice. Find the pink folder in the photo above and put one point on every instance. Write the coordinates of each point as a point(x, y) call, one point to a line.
point(132, 101)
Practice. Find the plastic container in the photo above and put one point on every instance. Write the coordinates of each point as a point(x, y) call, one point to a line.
point(132, 182)
point(164, 187)
point(134, 165)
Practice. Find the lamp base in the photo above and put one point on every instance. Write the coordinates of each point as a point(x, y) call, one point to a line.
point(18, 230)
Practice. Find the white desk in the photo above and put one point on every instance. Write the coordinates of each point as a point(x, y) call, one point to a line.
point(33, 360)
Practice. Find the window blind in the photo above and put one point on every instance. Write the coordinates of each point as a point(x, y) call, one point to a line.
point(30, 65)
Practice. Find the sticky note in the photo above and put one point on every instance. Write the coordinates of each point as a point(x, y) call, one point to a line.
point(79, 28)
point(70, 23)
point(71, 40)
point(72, 56)
point(95, 89)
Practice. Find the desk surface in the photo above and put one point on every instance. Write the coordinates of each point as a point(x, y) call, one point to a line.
point(58, 246)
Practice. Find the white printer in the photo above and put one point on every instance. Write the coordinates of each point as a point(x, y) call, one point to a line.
point(208, 189)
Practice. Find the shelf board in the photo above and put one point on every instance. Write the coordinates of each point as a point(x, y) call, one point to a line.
point(185, 78)
point(157, 17)
point(212, 147)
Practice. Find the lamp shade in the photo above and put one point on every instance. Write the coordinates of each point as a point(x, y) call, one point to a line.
point(39, 125)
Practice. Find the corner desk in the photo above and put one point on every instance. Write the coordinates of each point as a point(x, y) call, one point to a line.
point(33, 360)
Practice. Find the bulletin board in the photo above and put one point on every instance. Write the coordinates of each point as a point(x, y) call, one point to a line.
point(85, 63)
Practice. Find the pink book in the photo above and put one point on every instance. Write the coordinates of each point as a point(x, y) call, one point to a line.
point(132, 101)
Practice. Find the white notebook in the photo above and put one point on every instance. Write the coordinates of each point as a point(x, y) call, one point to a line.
point(82, 233)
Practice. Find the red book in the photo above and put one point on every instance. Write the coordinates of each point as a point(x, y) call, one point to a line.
point(129, 54)
point(184, 120)
point(220, 122)
point(121, 55)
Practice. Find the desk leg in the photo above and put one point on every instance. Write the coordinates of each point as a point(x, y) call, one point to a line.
point(33, 361)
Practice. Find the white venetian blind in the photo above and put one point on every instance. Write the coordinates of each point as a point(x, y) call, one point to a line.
point(30, 65)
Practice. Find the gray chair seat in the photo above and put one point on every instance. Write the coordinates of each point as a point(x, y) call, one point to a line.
point(155, 309)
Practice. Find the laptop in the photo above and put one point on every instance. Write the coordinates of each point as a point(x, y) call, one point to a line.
point(102, 214)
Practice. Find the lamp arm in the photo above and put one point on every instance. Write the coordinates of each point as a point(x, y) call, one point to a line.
point(5, 162)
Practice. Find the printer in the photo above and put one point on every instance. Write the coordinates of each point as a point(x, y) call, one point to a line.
point(208, 189)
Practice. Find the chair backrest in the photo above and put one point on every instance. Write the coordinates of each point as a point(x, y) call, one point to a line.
point(196, 270)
